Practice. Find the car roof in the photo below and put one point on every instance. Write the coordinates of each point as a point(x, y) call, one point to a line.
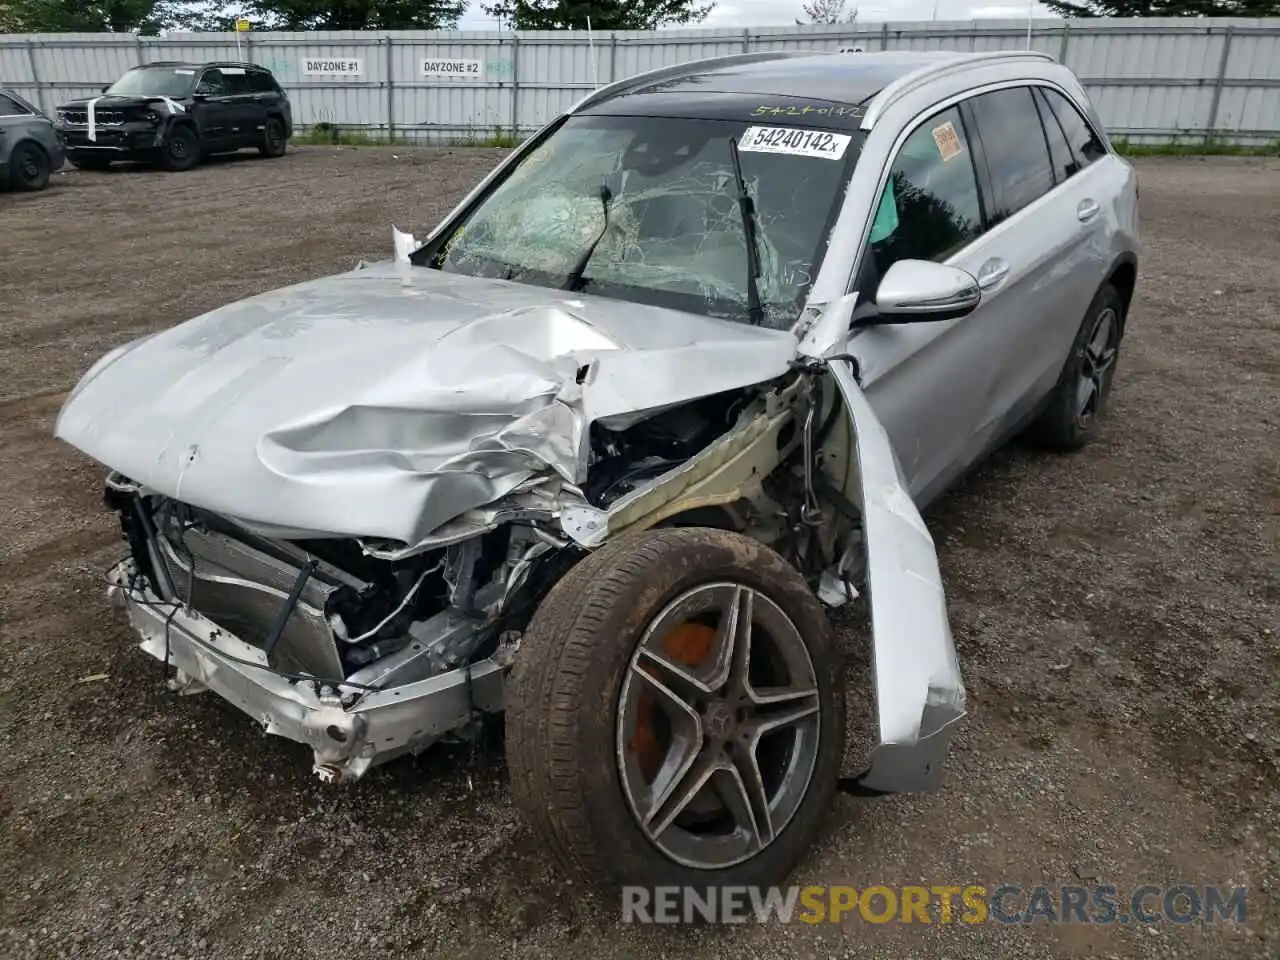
point(727, 84)
point(198, 65)
point(837, 77)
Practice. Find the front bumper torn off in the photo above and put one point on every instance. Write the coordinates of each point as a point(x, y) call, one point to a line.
point(348, 731)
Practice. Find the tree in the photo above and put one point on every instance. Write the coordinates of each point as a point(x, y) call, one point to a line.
point(826, 11)
point(150, 16)
point(355, 14)
point(1165, 8)
point(82, 16)
point(603, 14)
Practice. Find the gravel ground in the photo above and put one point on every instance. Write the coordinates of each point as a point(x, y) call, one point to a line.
point(1115, 613)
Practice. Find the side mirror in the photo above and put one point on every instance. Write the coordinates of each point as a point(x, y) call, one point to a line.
point(106, 88)
point(919, 291)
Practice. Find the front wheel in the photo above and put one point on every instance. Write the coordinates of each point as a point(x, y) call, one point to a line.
point(28, 167)
point(676, 714)
point(181, 150)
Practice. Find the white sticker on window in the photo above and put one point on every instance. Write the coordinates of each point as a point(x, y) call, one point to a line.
point(233, 71)
point(185, 72)
point(948, 141)
point(797, 143)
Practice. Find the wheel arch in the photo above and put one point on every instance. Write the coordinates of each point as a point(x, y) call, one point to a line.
point(28, 139)
point(1123, 275)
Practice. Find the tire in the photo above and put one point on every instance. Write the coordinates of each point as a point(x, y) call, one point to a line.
point(274, 140)
point(28, 167)
point(181, 150)
point(90, 163)
point(576, 711)
point(1071, 414)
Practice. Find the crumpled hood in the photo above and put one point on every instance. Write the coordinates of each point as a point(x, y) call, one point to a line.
point(386, 401)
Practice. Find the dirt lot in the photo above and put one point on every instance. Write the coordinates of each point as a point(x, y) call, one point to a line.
point(1115, 613)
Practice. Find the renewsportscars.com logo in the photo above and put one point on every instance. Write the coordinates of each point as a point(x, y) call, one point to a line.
point(944, 904)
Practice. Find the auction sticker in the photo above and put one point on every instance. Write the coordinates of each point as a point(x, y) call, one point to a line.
point(797, 143)
point(948, 141)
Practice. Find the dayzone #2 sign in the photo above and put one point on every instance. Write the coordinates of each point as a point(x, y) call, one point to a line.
point(466, 69)
point(321, 67)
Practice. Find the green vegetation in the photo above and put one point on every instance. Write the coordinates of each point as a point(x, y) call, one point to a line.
point(1195, 147)
point(329, 134)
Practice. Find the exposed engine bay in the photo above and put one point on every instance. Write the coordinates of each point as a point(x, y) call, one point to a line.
point(332, 617)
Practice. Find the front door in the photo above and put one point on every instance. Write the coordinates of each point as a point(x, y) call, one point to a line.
point(926, 380)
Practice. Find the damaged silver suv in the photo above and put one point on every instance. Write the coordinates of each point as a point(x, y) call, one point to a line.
point(675, 375)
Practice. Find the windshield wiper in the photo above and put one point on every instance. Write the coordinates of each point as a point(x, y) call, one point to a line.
point(747, 206)
point(575, 279)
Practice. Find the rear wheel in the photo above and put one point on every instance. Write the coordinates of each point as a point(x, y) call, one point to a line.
point(273, 138)
point(181, 150)
point(676, 713)
point(28, 167)
point(1071, 416)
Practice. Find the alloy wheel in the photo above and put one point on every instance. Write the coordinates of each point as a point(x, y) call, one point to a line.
point(717, 726)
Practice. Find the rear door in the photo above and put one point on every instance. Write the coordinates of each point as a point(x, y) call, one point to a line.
point(1033, 263)
point(248, 112)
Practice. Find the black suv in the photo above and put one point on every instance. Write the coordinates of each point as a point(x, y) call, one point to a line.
point(174, 114)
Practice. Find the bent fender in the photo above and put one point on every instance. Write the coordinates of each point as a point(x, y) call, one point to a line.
point(919, 691)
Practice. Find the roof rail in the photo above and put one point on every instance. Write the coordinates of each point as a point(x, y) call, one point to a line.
point(908, 82)
point(675, 71)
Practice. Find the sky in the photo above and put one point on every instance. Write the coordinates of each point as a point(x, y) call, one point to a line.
point(768, 13)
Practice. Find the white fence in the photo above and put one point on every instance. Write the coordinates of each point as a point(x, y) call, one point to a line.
point(1152, 79)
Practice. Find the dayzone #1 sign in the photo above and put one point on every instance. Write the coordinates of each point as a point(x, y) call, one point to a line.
point(467, 69)
point(317, 67)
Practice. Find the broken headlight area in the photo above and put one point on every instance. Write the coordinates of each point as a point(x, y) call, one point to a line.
point(390, 654)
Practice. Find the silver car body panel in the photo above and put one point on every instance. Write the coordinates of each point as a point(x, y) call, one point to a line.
point(409, 408)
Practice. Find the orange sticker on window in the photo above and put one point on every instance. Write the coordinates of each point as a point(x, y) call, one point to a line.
point(948, 141)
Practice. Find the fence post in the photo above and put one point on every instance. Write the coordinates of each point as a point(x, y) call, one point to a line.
point(140, 49)
point(515, 86)
point(613, 56)
point(884, 35)
point(1062, 47)
point(1217, 86)
point(391, 88)
point(746, 40)
point(35, 76)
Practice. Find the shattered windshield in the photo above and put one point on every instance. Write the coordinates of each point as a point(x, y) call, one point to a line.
point(152, 82)
point(647, 209)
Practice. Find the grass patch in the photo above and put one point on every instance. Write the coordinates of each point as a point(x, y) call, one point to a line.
point(487, 137)
point(330, 134)
point(1195, 147)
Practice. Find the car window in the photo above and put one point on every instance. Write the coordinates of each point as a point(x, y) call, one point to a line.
point(1064, 162)
point(260, 82)
point(930, 206)
point(11, 108)
point(213, 84)
point(1014, 144)
point(1084, 143)
point(237, 80)
point(154, 82)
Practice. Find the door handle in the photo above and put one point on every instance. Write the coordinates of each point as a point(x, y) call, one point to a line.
point(1087, 210)
point(992, 272)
